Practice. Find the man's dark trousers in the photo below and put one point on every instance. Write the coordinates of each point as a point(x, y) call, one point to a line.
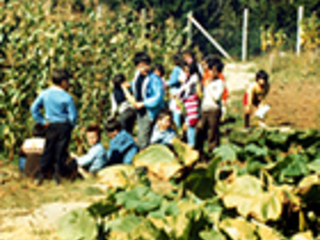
point(56, 149)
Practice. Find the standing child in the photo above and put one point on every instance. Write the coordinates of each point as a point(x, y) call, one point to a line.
point(120, 104)
point(96, 158)
point(207, 77)
point(254, 99)
point(148, 92)
point(122, 147)
point(188, 93)
point(159, 70)
point(60, 118)
point(174, 85)
point(162, 131)
point(189, 57)
point(211, 107)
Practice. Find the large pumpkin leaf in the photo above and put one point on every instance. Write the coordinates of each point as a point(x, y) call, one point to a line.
point(185, 225)
point(309, 190)
point(238, 229)
point(214, 212)
point(159, 160)
point(257, 151)
point(267, 233)
point(200, 184)
point(266, 206)
point(303, 236)
point(117, 176)
point(140, 199)
point(314, 166)
point(245, 194)
point(227, 152)
point(148, 231)
point(123, 224)
point(201, 181)
point(212, 235)
point(185, 153)
point(166, 209)
point(77, 224)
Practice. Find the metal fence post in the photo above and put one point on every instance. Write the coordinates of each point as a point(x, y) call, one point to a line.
point(300, 17)
point(245, 35)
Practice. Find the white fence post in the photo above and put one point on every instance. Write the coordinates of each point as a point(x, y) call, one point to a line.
point(300, 17)
point(208, 36)
point(144, 22)
point(99, 11)
point(245, 35)
point(189, 26)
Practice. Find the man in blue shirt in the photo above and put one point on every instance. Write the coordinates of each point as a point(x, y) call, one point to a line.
point(60, 118)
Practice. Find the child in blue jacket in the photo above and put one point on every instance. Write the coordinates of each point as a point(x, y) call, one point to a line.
point(96, 158)
point(148, 91)
point(174, 84)
point(122, 147)
point(162, 131)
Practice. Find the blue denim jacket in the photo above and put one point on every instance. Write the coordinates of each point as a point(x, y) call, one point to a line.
point(122, 149)
point(95, 159)
point(162, 137)
point(153, 94)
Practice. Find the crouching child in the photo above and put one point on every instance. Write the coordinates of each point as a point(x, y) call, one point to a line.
point(96, 158)
point(163, 132)
point(254, 100)
point(122, 147)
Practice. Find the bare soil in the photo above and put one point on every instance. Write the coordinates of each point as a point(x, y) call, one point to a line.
point(296, 104)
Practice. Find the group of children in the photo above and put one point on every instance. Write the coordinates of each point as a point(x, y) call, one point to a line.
point(197, 100)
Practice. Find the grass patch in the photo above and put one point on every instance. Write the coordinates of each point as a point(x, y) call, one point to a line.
point(287, 67)
point(23, 194)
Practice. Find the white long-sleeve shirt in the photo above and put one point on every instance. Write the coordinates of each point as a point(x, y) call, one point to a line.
point(212, 95)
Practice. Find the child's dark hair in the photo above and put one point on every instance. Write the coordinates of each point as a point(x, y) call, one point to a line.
point(193, 69)
point(113, 125)
point(178, 60)
point(38, 130)
point(215, 62)
point(160, 68)
point(94, 128)
point(189, 52)
point(141, 57)
point(59, 75)
point(165, 112)
point(118, 80)
point(262, 75)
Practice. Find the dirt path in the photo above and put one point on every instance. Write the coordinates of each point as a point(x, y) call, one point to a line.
point(21, 224)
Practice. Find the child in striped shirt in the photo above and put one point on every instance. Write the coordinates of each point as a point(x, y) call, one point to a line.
point(188, 93)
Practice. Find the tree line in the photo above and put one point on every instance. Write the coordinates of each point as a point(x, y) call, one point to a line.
point(223, 18)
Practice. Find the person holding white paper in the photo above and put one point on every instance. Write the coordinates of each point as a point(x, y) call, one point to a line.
point(254, 99)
